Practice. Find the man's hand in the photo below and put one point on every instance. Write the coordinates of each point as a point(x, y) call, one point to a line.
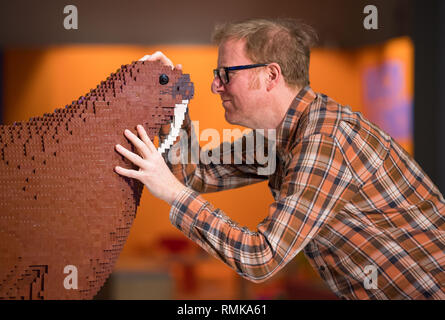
point(153, 171)
point(159, 56)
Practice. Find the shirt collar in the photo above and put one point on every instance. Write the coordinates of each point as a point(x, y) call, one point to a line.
point(288, 127)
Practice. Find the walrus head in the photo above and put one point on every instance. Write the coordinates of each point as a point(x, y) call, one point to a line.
point(150, 94)
point(178, 85)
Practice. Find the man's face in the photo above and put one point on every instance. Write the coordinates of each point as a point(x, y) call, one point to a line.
point(242, 96)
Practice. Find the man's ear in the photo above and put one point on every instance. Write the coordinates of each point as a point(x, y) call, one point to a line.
point(273, 72)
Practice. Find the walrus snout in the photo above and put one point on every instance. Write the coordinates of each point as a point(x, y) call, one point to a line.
point(184, 87)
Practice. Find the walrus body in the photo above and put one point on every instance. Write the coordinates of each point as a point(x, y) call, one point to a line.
point(64, 213)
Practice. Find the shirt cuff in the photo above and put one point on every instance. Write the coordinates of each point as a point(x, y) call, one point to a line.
point(185, 210)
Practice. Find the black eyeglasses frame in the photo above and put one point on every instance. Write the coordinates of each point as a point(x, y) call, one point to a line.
point(217, 72)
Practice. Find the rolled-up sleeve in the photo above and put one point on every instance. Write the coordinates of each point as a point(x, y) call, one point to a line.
point(212, 177)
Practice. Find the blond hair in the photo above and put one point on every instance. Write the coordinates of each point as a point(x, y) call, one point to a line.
point(284, 41)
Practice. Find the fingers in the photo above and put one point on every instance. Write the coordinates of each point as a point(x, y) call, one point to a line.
point(145, 138)
point(145, 58)
point(134, 158)
point(141, 146)
point(127, 172)
point(159, 56)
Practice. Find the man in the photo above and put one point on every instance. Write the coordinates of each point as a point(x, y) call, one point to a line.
point(366, 215)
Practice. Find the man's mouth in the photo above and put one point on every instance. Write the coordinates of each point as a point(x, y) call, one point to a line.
point(176, 125)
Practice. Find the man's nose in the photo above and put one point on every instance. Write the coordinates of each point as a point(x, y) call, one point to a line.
point(217, 86)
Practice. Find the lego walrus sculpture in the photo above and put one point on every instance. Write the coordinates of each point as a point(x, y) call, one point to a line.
point(64, 213)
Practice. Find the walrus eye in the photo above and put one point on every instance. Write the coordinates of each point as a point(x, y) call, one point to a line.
point(163, 79)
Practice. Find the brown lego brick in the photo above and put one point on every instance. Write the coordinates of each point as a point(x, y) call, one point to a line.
point(61, 203)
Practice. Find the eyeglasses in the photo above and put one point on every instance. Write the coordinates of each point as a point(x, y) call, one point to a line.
point(223, 72)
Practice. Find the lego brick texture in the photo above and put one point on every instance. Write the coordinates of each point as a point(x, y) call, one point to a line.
point(61, 202)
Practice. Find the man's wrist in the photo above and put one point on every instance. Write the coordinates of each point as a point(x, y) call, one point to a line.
point(179, 188)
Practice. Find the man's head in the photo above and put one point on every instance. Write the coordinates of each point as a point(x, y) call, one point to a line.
point(252, 95)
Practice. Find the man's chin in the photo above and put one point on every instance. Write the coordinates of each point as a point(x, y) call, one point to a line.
point(234, 119)
point(228, 117)
point(236, 122)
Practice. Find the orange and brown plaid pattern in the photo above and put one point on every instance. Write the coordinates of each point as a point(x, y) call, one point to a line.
point(345, 192)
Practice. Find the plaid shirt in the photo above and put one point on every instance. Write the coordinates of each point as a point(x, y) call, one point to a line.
point(345, 193)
